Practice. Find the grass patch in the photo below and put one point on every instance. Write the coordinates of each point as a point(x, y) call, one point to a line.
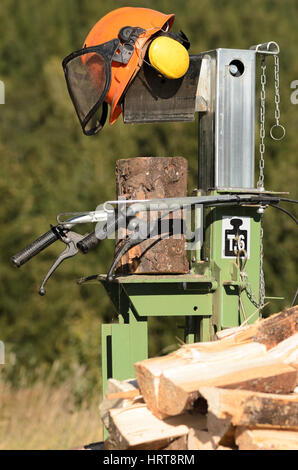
point(47, 415)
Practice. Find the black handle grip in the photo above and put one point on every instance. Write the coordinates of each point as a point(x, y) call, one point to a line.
point(36, 247)
point(87, 243)
point(91, 241)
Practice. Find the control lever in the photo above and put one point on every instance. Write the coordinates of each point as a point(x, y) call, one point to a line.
point(71, 239)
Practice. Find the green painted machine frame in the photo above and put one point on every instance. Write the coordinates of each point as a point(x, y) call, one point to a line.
point(212, 297)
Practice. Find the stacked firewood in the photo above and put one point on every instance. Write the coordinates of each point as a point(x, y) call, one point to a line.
point(239, 392)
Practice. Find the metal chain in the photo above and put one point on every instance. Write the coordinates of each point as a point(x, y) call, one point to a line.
point(261, 187)
point(248, 289)
point(262, 278)
point(277, 101)
point(244, 279)
point(260, 183)
point(276, 84)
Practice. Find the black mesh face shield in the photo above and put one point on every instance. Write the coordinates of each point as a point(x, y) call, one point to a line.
point(88, 78)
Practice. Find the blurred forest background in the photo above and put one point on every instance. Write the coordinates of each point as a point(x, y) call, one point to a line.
point(48, 166)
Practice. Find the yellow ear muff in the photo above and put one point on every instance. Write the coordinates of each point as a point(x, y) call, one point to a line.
point(169, 57)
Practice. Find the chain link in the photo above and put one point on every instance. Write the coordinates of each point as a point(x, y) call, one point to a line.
point(277, 101)
point(244, 278)
point(262, 277)
point(260, 183)
point(276, 84)
point(248, 290)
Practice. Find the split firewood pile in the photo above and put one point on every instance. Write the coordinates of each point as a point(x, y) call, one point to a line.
point(239, 392)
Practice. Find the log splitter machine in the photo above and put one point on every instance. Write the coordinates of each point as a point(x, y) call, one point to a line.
point(225, 286)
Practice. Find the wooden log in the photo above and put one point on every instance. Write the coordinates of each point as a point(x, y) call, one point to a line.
point(202, 440)
point(170, 384)
point(222, 428)
point(270, 331)
point(152, 178)
point(119, 394)
point(254, 409)
point(228, 332)
point(177, 444)
point(266, 439)
point(148, 371)
point(287, 350)
point(185, 362)
point(292, 359)
point(205, 440)
point(110, 444)
point(178, 390)
point(130, 395)
point(137, 428)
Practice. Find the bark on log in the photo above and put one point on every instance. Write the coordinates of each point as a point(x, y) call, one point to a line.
point(254, 409)
point(152, 178)
point(270, 331)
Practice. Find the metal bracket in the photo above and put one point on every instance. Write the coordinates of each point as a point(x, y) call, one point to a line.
point(268, 48)
point(204, 86)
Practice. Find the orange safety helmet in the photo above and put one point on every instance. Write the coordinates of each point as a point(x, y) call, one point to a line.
point(113, 53)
